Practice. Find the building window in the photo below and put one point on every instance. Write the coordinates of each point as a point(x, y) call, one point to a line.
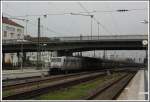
point(10, 28)
point(12, 35)
point(19, 30)
point(18, 36)
point(5, 33)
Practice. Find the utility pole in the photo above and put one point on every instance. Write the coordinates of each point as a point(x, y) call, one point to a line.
point(92, 29)
point(98, 29)
point(21, 54)
point(94, 53)
point(91, 16)
point(38, 46)
point(104, 57)
point(91, 25)
point(81, 39)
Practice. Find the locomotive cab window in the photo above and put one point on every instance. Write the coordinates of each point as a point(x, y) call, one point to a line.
point(56, 60)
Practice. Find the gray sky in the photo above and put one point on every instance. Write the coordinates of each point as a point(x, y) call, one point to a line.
point(68, 25)
point(117, 23)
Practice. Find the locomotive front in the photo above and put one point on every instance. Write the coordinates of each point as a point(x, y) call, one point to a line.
point(56, 64)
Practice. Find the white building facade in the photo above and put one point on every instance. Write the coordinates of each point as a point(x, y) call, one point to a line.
point(11, 31)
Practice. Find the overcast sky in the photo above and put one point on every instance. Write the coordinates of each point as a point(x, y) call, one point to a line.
point(116, 23)
point(68, 25)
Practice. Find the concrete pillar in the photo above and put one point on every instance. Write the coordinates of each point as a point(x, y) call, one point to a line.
point(18, 57)
point(3, 58)
point(80, 53)
point(24, 57)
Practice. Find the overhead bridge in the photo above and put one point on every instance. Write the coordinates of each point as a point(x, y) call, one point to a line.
point(79, 43)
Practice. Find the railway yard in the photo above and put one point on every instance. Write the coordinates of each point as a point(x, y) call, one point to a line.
point(87, 85)
point(75, 51)
point(75, 78)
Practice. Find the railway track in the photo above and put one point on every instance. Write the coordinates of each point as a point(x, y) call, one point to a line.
point(110, 89)
point(35, 80)
point(29, 90)
point(7, 84)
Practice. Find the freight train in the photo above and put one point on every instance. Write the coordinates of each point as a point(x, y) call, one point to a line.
point(67, 64)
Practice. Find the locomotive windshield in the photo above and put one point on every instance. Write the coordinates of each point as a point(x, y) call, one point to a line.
point(56, 59)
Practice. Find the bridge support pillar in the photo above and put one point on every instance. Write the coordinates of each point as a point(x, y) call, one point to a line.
point(64, 53)
point(24, 57)
point(80, 53)
point(18, 57)
point(3, 58)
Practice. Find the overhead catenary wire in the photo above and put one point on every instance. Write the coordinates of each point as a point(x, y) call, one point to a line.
point(34, 24)
point(84, 12)
point(113, 11)
point(97, 21)
point(115, 23)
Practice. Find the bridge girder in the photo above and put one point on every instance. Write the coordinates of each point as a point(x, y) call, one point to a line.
point(76, 46)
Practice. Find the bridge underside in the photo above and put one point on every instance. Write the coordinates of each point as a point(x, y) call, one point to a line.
point(75, 46)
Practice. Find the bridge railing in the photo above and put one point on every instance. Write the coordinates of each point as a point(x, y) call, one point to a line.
point(113, 37)
point(13, 41)
point(78, 38)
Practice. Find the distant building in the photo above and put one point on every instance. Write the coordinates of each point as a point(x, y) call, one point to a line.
point(112, 57)
point(12, 32)
point(11, 29)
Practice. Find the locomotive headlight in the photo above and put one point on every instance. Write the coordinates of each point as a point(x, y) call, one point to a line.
point(144, 42)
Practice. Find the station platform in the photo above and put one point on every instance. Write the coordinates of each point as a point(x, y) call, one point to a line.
point(135, 90)
point(13, 74)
